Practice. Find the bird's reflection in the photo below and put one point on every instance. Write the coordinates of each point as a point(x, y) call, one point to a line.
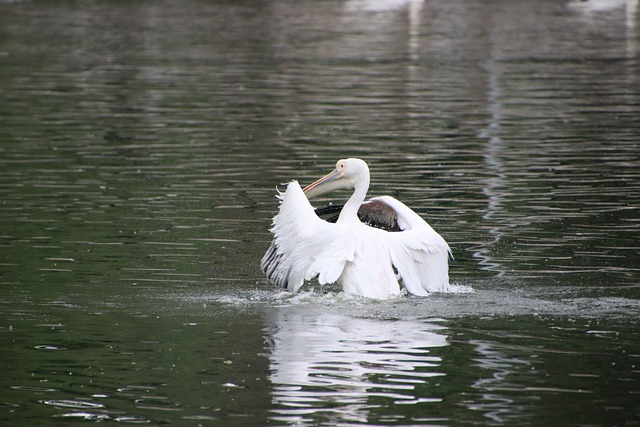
point(339, 367)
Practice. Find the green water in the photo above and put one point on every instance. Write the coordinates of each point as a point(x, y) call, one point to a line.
point(141, 144)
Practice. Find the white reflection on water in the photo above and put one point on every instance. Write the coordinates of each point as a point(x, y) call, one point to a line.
point(493, 152)
point(592, 10)
point(381, 5)
point(343, 367)
point(594, 6)
point(413, 10)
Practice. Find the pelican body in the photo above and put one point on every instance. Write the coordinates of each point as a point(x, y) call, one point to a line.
point(365, 247)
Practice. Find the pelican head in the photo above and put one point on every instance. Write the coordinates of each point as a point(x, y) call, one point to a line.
point(348, 174)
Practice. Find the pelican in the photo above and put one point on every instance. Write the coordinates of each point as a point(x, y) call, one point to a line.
point(362, 255)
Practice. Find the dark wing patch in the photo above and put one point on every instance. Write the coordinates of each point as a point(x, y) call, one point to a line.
point(374, 213)
point(378, 214)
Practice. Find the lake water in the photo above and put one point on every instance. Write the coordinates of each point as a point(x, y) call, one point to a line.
point(141, 144)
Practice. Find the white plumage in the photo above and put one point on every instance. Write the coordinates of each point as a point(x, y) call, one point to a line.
point(358, 256)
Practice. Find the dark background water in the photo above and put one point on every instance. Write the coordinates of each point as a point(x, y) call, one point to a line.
point(140, 147)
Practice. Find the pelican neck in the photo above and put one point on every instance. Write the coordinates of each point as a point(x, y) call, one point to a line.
point(349, 212)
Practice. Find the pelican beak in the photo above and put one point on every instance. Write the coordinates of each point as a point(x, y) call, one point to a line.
point(330, 182)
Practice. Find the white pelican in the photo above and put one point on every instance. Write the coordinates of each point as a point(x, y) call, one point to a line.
point(362, 258)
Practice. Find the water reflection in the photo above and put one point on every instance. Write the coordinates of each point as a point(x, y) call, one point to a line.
point(381, 5)
point(493, 154)
point(495, 399)
point(341, 367)
point(412, 9)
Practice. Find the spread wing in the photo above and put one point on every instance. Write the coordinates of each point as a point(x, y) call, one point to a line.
point(420, 255)
point(303, 246)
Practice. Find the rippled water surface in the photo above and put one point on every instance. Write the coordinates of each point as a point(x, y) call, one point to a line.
point(140, 147)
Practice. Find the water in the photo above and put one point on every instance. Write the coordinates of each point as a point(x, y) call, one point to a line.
point(140, 147)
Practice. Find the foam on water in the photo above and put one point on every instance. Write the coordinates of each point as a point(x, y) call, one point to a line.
point(464, 300)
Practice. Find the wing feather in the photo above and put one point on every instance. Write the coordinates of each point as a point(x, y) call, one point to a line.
point(303, 246)
point(418, 252)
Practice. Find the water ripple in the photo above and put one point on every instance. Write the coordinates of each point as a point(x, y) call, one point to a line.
point(140, 148)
